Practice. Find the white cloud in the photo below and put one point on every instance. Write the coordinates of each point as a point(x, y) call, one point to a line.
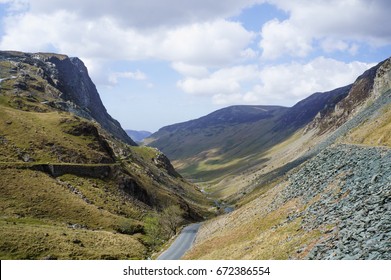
point(330, 45)
point(210, 43)
point(138, 14)
point(226, 81)
point(284, 38)
point(190, 70)
point(203, 45)
point(345, 23)
point(145, 13)
point(213, 43)
point(283, 84)
point(289, 83)
point(16, 5)
point(137, 75)
point(249, 53)
point(296, 81)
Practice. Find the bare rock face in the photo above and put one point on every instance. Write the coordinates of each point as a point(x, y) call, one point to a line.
point(161, 161)
point(382, 80)
point(367, 88)
point(70, 84)
point(78, 88)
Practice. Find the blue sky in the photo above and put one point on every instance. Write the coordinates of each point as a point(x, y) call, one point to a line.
point(157, 63)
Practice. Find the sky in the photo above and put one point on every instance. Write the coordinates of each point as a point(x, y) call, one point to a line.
point(157, 63)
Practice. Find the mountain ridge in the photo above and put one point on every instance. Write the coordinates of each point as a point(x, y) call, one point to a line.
point(195, 145)
point(69, 76)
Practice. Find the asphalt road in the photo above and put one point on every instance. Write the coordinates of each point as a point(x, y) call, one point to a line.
point(181, 244)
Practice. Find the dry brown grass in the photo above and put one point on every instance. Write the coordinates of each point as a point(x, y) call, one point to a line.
point(255, 232)
point(29, 239)
point(38, 213)
point(374, 132)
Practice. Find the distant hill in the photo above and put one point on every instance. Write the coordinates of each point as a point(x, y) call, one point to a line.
point(232, 139)
point(138, 135)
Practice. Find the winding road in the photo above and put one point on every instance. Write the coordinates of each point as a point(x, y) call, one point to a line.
point(181, 244)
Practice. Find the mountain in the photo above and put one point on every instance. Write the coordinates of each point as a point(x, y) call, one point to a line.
point(138, 135)
point(226, 144)
point(68, 87)
point(214, 131)
point(73, 184)
point(306, 182)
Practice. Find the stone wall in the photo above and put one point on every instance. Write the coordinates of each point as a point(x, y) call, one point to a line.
point(94, 171)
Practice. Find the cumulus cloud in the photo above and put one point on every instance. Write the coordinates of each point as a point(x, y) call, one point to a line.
point(137, 75)
point(212, 43)
point(283, 84)
point(330, 45)
point(289, 83)
point(225, 81)
point(342, 22)
point(214, 54)
point(190, 70)
point(280, 38)
point(145, 13)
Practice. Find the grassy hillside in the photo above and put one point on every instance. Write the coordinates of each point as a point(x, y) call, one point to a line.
point(374, 132)
point(65, 218)
point(69, 189)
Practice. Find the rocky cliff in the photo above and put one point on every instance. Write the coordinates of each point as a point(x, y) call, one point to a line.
point(67, 81)
point(70, 177)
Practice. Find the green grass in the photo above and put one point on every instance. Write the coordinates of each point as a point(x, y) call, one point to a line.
point(374, 132)
point(265, 236)
point(104, 194)
point(37, 210)
point(27, 193)
point(27, 240)
point(146, 153)
point(43, 136)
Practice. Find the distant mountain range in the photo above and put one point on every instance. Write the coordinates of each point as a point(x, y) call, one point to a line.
point(237, 134)
point(138, 135)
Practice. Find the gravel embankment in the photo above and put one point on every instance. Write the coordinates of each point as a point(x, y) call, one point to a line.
point(348, 190)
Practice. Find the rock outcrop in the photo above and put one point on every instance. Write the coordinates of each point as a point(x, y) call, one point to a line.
point(68, 82)
point(368, 87)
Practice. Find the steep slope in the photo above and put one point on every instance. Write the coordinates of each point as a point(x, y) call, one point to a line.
point(331, 200)
point(67, 81)
point(190, 138)
point(71, 186)
point(335, 206)
point(224, 148)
